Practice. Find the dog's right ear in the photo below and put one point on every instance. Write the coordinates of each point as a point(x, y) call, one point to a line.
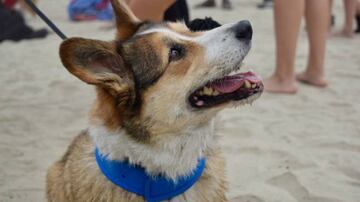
point(98, 63)
point(126, 22)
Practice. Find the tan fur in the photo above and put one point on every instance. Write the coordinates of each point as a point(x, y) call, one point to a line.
point(126, 21)
point(76, 177)
point(105, 108)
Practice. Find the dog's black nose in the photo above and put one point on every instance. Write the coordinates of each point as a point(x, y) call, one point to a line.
point(243, 30)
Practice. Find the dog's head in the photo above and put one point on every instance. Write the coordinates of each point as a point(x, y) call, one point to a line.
point(158, 79)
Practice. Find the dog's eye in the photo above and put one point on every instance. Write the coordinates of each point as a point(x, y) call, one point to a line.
point(175, 53)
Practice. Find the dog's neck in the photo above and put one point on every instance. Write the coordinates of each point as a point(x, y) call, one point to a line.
point(176, 155)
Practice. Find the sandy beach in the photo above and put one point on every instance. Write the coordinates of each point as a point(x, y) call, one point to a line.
point(283, 148)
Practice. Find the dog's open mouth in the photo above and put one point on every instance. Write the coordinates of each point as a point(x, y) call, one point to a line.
point(229, 88)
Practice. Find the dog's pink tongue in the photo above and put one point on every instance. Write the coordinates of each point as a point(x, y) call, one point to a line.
point(230, 84)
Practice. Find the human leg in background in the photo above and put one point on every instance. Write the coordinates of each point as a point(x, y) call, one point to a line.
point(332, 22)
point(317, 20)
point(150, 10)
point(288, 16)
point(350, 11)
point(357, 18)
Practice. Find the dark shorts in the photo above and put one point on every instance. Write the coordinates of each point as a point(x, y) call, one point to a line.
point(177, 12)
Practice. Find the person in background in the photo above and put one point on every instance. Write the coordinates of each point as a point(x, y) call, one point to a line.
point(178, 11)
point(265, 4)
point(22, 3)
point(357, 18)
point(226, 4)
point(288, 15)
point(159, 10)
point(13, 26)
point(350, 7)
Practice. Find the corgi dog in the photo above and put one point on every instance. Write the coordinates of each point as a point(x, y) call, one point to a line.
point(151, 134)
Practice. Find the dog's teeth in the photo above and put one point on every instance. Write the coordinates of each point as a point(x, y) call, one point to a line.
point(247, 84)
point(196, 98)
point(207, 91)
point(200, 103)
point(215, 93)
point(233, 73)
point(253, 86)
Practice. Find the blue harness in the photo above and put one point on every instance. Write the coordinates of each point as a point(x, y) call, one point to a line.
point(135, 179)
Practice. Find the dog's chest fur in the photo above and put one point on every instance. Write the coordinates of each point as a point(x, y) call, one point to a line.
point(77, 177)
point(175, 155)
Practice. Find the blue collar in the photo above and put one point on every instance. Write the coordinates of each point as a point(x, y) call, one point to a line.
point(135, 179)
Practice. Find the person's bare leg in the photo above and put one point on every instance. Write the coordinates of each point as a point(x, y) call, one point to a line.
point(317, 20)
point(288, 16)
point(350, 12)
point(357, 30)
point(331, 5)
point(152, 10)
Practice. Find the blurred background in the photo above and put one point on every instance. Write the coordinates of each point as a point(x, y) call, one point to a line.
point(287, 148)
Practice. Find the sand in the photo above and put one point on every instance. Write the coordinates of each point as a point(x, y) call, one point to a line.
point(284, 148)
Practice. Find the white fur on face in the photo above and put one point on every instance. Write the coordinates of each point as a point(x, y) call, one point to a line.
point(222, 54)
point(176, 155)
point(223, 51)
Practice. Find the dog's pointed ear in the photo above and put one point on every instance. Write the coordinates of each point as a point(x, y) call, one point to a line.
point(126, 22)
point(98, 63)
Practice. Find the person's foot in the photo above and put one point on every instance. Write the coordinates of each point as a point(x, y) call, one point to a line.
point(311, 80)
point(274, 84)
point(206, 4)
point(344, 33)
point(226, 5)
point(265, 4)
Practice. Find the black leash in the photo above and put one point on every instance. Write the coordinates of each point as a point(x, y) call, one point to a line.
point(46, 19)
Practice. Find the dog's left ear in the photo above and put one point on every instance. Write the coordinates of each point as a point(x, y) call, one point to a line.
point(98, 63)
point(126, 22)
